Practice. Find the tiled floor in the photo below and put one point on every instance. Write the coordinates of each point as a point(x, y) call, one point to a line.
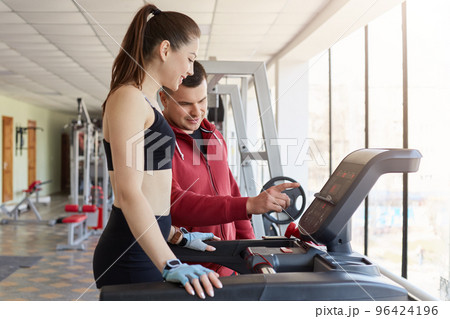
point(58, 275)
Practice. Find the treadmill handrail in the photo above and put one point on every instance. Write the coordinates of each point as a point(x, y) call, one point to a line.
point(415, 291)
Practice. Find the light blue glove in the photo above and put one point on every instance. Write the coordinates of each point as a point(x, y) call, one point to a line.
point(184, 273)
point(195, 240)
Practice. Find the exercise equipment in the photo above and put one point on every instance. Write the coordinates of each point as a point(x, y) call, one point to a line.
point(88, 169)
point(256, 72)
point(291, 213)
point(25, 205)
point(77, 226)
point(290, 268)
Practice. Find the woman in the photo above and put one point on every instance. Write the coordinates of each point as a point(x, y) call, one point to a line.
point(158, 49)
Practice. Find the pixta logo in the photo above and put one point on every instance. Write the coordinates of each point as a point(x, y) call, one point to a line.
point(293, 151)
point(148, 151)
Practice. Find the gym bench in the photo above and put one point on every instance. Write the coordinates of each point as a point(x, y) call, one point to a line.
point(77, 227)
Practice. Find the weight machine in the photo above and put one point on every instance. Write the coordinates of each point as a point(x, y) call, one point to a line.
point(88, 169)
point(256, 71)
point(25, 205)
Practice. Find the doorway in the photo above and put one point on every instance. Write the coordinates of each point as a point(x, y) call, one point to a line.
point(31, 151)
point(7, 158)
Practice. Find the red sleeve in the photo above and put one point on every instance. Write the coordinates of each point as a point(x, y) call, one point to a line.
point(244, 229)
point(235, 192)
point(192, 209)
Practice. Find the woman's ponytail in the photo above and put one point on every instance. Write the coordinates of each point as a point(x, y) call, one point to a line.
point(130, 60)
point(150, 26)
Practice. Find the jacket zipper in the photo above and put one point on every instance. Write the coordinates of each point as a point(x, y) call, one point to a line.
point(207, 166)
point(213, 185)
point(209, 173)
point(206, 160)
point(217, 193)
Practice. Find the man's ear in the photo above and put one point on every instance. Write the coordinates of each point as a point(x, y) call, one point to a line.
point(164, 50)
point(163, 98)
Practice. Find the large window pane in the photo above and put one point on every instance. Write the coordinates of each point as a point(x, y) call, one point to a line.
point(429, 96)
point(318, 129)
point(348, 111)
point(385, 130)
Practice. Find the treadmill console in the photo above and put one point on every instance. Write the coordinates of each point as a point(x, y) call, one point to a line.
point(330, 195)
point(347, 187)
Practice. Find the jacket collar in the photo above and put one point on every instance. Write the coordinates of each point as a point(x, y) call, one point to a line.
point(206, 127)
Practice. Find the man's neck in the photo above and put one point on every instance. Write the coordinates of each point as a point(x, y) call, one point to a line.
point(197, 133)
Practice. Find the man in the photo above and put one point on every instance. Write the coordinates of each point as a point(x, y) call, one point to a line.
point(205, 196)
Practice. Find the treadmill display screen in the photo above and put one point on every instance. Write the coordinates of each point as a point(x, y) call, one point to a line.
point(331, 195)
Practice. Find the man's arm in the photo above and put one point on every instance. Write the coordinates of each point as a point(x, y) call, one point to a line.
point(192, 209)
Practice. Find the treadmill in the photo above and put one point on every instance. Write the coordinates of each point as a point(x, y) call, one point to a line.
point(320, 265)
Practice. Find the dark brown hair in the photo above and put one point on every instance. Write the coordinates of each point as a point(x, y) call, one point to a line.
point(197, 78)
point(144, 34)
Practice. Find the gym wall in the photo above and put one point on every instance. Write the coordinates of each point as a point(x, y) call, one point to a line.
point(48, 144)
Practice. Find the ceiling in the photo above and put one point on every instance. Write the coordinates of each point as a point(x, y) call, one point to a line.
point(54, 51)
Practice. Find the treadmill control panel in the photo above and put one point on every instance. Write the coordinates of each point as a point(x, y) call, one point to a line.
point(334, 205)
point(330, 195)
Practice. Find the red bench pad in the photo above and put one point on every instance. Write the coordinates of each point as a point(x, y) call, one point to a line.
point(33, 187)
point(71, 208)
point(89, 208)
point(74, 219)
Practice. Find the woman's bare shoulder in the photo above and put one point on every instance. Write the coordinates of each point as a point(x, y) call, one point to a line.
point(127, 105)
point(126, 94)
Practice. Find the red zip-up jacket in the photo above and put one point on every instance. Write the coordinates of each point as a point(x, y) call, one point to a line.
point(205, 196)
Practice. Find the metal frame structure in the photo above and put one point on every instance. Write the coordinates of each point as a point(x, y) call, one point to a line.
point(82, 125)
point(16, 211)
point(413, 290)
point(257, 72)
point(25, 205)
point(91, 146)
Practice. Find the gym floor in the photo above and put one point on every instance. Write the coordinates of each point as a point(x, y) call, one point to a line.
point(58, 275)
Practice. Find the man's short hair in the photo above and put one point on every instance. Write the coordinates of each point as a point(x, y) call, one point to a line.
point(193, 80)
point(197, 78)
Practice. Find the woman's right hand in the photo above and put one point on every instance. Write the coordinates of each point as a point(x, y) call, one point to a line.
point(193, 277)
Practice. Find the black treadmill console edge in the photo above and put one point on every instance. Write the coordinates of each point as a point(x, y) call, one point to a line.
point(331, 210)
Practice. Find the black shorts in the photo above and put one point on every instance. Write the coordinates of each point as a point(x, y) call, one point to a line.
point(119, 259)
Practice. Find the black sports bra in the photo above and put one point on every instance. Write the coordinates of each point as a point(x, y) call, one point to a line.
point(159, 145)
